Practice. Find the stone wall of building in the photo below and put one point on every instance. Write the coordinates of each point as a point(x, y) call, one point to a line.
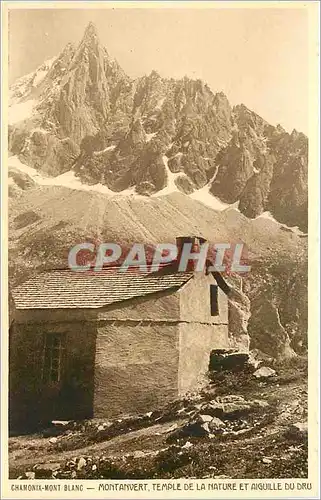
point(195, 301)
point(163, 306)
point(136, 366)
point(199, 331)
point(196, 341)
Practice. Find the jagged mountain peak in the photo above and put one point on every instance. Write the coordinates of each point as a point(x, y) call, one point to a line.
point(90, 37)
point(154, 135)
point(243, 111)
point(280, 129)
point(154, 75)
point(220, 97)
point(91, 30)
point(89, 44)
point(70, 47)
point(297, 135)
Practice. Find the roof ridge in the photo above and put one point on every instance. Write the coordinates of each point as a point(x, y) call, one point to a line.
point(158, 265)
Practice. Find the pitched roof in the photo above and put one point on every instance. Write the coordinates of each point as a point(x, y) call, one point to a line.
point(67, 289)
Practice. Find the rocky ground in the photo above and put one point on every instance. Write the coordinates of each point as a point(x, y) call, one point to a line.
point(245, 424)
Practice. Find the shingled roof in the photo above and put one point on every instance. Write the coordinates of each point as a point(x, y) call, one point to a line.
point(66, 289)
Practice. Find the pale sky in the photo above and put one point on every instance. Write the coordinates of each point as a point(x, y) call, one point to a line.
point(258, 57)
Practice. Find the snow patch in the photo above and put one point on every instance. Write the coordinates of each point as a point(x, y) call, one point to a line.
point(109, 148)
point(14, 162)
point(67, 179)
point(267, 215)
point(40, 75)
point(150, 136)
point(23, 86)
point(178, 155)
point(160, 103)
point(42, 71)
point(20, 111)
point(171, 186)
point(204, 196)
point(19, 87)
point(128, 192)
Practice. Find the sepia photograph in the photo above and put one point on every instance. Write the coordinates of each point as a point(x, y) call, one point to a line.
point(156, 170)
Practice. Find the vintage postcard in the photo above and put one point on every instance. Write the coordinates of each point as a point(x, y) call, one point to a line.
point(160, 250)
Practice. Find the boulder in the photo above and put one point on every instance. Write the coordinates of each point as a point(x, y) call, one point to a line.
point(264, 372)
point(191, 429)
point(267, 332)
point(231, 398)
point(184, 184)
point(228, 360)
point(215, 424)
point(63, 424)
point(257, 357)
point(235, 409)
point(81, 463)
point(66, 474)
point(45, 470)
point(205, 418)
point(261, 403)
point(299, 430)
point(21, 179)
point(139, 454)
point(228, 407)
point(29, 475)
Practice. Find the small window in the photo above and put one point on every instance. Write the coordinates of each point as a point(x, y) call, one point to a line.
point(53, 356)
point(214, 300)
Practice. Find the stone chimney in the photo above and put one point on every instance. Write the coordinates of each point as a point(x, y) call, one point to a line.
point(195, 242)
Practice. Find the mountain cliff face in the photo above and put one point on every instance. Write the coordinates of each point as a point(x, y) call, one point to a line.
point(81, 112)
point(265, 169)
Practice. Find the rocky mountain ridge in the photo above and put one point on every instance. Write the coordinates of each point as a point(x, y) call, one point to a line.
point(152, 135)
